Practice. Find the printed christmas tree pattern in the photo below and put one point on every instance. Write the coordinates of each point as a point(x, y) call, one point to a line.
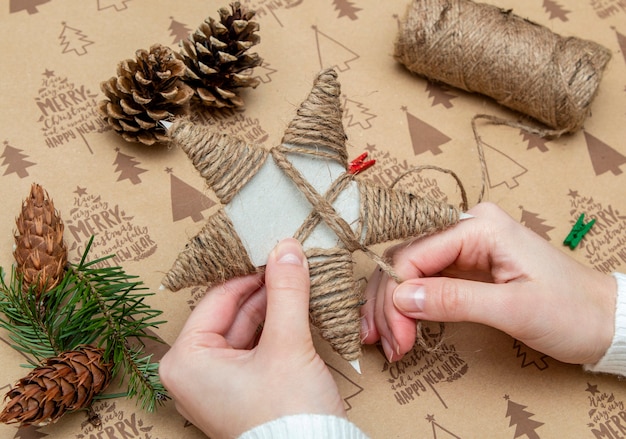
point(113, 231)
point(440, 94)
point(520, 418)
point(604, 245)
point(187, 201)
point(535, 223)
point(128, 167)
point(534, 141)
point(440, 432)
point(555, 10)
point(264, 72)
point(603, 157)
point(73, 40)
point(15, 161)
point(348, 389)
point(607, 418)
point(30, 432)
point(178, 31)
point(346, 8)
point(118, 5)
point(502, 169)
point(29, 6)
point(356, 113)
point(424, 137)
point(332, 53)
point(68, 111)
point(529, 357)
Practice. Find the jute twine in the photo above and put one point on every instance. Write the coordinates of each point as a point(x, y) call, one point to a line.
point(225, 162)
point(522, 65)
point(217, 254)
point(318, 126)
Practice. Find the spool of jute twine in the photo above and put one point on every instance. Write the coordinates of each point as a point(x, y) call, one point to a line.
point(522, 65)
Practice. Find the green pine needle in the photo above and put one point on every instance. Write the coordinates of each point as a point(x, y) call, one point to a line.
point(102, 306)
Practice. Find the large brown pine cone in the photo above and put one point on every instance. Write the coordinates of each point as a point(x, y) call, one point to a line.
point(216, 57)
point(40, 251)
point(63, 384)
point(145, 91)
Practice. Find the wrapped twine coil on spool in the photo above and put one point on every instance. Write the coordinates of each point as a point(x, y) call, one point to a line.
point(522, 65)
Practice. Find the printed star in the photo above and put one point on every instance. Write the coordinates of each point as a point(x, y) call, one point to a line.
point(169, 170)
point(300, 189)
point(80, 191)
point(430, 418)
point(48, 73)
point(592, 389)
point(573, 194)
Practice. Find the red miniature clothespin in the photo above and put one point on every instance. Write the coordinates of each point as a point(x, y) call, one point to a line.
point(359, 164)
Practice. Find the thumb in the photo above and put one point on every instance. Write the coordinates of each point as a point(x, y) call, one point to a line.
point(444, 299)
point(287, 283)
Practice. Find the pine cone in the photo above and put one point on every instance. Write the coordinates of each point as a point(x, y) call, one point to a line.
point(216, 58)
point(40, 252)
point(65, 383)
point(146, 90)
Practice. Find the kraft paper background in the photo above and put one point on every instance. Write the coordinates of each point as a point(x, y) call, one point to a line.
point(144, 203)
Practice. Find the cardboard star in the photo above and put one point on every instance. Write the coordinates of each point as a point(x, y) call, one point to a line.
point(300, 189)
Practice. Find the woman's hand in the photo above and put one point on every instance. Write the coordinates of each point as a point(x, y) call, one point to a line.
point(226, 383)
point(490, 269)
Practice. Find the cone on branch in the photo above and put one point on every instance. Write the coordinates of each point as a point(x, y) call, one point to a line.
point(216, 58)
point(40, 252)
point(145, 91)
point(64, 383)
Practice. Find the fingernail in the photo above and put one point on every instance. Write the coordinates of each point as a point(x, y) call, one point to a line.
point(387, 349)
point(289, 252)
point(365, 329)
point(409, 298)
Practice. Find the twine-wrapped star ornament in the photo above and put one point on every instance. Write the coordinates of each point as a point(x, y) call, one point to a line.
point(302, 189)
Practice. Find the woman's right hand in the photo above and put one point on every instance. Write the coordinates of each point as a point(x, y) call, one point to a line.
point(492, 270)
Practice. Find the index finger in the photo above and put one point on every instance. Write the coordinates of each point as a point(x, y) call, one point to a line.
point(218, 309)
point(467, 246)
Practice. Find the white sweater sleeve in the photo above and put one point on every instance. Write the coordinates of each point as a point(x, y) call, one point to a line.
point(614, 360)
point(306, 427)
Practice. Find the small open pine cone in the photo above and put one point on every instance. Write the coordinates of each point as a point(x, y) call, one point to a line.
point(40, 252)
point(64, 383)
point(217, 60)
point(145, 91)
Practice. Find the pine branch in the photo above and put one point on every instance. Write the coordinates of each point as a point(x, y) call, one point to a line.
point(124, 316)
point(91, 305)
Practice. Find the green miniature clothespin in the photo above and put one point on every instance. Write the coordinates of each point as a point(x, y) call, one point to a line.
point(579, 230)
